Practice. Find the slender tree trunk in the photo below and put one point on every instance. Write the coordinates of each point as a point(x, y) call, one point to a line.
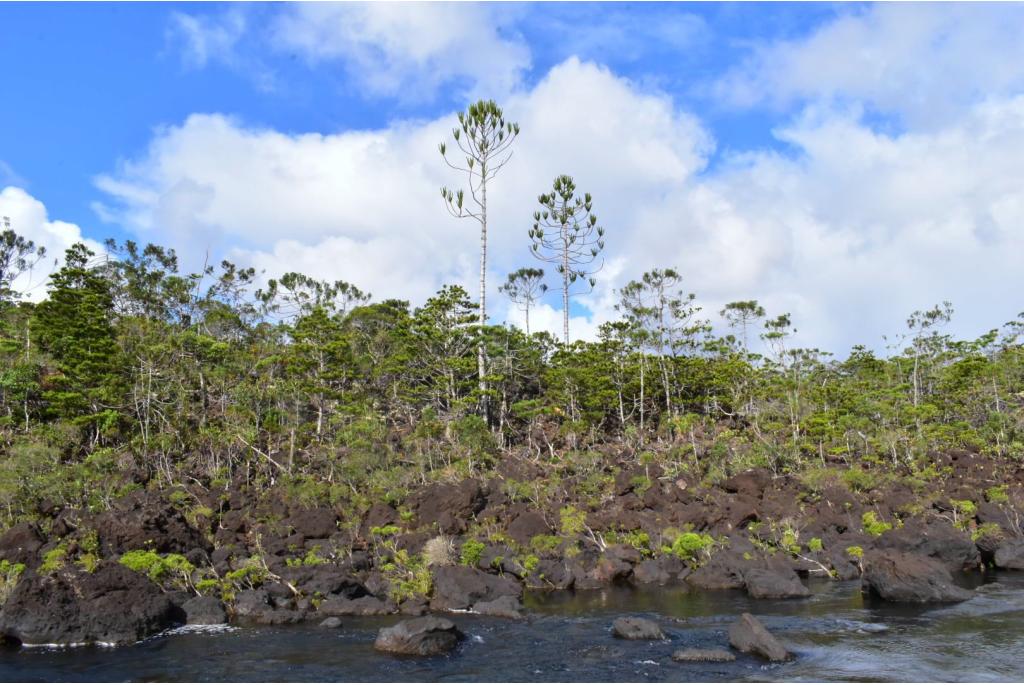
point(527, 319)
point(565, 289)
point(481, 362)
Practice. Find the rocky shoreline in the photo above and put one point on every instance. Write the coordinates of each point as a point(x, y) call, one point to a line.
point(245, 554)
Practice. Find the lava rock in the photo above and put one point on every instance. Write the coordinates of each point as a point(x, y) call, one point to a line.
point(461, 587)
point(1010, 555)
point(113, 605)
point(902, 577)
point(936, 539)
point(314, 523)
point(503, 607)
point(425, 636)
point(749, 635)
point(636, 628)
point(21, 544)
point(527, 526)
point(703, 655)
point(661, 571)
point(361, 606)
point(773, 583)
point(204, 611)
point(332, 623)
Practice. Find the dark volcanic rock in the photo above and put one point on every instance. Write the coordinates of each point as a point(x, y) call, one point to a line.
point(902, 577)
point(724, 571)
point(204, 611)
point(461, 587)
point(362, 606)
point(503, 607)
point(553, 574)
point(774, 583)
point(143, 521)
point(635, 628)
point(21, 543)
point(936, 539)
point(660, 571)
point(751, 483)
point(1010, 555)
point(424, 636)
point(527, 526)
point(314, 523)
point(332, 622)
point(451, 507)
point(705, 655)
point(750, 636)
point(111, 606)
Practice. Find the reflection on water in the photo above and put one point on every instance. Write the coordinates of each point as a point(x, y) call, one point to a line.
point(837, 635)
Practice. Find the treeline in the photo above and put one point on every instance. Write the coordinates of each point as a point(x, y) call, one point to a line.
point(131, 366)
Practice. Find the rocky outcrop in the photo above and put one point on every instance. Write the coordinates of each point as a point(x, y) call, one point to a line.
point(426, 636)
point(450, 507)
point(361, 606)
point(204, 611)
point(636, 628)
point(462, 587)
point(143, 521)
point(110, 606)
point(21, 544)
point(774, 583)
point(1010, 555)
point(314, 523)
point(527, 526)
point(503, 607)
point(936, 539)
point(749, 635)
point(902, 577)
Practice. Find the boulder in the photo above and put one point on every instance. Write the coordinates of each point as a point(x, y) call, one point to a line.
point(113, 605)
point(503, 607)
point(750, 483)
point(936, 539)
point(902, 577)
point(636, 628)
point(21, 544)
point(1010, 555)
point(425, 636)
point(361, 606)
point(461, 587)
point(661, 571)
point(703, 655)
point(551, 574)
point(331, 623)
point(143, 521)
point(326, 579)
point(774, 583)
point(527, 526)
point(451, 507)
point(204, 611)
point(724, 571)
point(316, 523)
point(749, 635)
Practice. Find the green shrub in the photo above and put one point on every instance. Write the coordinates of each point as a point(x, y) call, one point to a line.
point(855, 552)
point(170, 568)
point(872, 525)
point(55, 559)
point(814, 545)
point(9, 576)
point(997, 494)
point(688, 546)
point(859, 480)
point(471, 552)
point(573, 520)
point(545, 544)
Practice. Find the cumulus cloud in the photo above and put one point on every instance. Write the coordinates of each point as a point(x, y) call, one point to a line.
point(924, 62)
point(409, 49)
point(849, 233)
point(208, 38)
point(28, 218)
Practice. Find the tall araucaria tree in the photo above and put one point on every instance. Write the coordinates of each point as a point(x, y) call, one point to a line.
point(565, 233)
point(524, 287)
point(485, 138)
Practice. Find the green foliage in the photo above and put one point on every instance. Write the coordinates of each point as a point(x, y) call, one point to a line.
point(471, 552)
point(545, 544)
point(172, 569)
point(10, 573)
point(814, 545)
point(855, 552)
point(54, 559)
point(997, 494)
point(311, 558)
point(872, 525)
point(573, 521)
point(690, 546)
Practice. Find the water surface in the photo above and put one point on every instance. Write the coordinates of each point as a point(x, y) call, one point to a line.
point(836, 634)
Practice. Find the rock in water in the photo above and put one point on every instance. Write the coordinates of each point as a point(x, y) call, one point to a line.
point(634, 628)
point(901, 577)
point(750, 636)
point(111, 606)
point(332, 622)
point(1011, 555)
point(763, 583)
point(425, 636)
point(705, 655)
point(503, 607)
point(461, 587)
point(204, 611)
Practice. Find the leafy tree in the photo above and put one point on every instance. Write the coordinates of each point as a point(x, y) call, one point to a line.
point(565, 233)
point(17, 255)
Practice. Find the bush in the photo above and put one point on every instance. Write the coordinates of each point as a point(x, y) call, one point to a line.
point(873, 526)
point(573, 520)
point(9, 576)
point(688, 546)
point(814, 545)
point(855, 552)
point(471, 552)
point(439, 551)
point(997, 494)
point(171, 568)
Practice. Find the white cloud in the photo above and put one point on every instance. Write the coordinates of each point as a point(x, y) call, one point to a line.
point(29, 219)
point(925, 62)
point(208, 38)
point(849, 234)
point(409, 49)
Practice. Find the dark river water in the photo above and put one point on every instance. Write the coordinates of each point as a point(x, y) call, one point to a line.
point(837, 635)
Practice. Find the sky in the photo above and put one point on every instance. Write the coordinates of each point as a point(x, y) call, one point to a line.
point(847, 164)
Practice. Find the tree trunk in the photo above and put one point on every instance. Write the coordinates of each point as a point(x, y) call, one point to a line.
point(565, 288)
point(481, 363)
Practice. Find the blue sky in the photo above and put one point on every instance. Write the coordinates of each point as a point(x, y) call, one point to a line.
point(813, 156)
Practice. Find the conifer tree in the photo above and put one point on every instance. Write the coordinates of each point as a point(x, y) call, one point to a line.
point(565, 233)
point(524, 287)
point(485, 138)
